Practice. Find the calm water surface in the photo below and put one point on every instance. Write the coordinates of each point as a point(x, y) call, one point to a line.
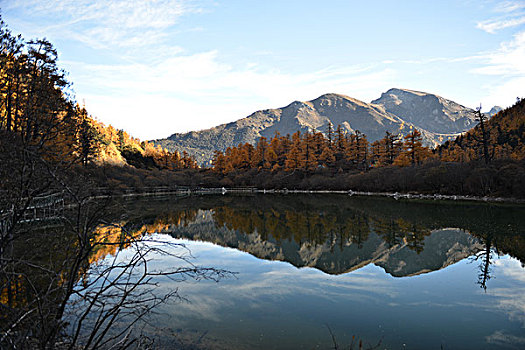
point(405, 274)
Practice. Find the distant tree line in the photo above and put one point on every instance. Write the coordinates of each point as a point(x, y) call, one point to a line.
point(311, 151)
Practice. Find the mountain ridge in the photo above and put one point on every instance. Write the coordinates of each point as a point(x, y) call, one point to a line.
point(397, 111)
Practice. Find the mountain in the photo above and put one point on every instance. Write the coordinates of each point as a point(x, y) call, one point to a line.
point(397, 111)
point(427, 111)
point(494, 110)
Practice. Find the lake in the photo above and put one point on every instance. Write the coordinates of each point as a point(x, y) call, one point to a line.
point(312, 271)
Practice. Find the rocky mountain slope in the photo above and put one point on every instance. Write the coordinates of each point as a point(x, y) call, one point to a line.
point(430, 112)
point(493, 111)
point(397, 110)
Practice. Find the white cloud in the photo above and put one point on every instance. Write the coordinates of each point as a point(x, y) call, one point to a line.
point(509, 59)
point(507, 63)
point(512, 14)
point(492, 26)
point(184, 93)
point(510, 298)
point(148, 73)
point(153, 87)
point(114, 23)
point(510, 6)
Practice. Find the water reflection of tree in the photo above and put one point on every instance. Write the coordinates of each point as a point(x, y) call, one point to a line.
point(390, 231)
point(502, 222)
point(317, 219)
point(317, 227)
point(109, 238)
point(306, 226)
point(485, 259)
point(85, 283)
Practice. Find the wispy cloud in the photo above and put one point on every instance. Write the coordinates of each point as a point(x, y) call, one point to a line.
point(509, 59)
point(130, 59)
point(151, 74)
point(210, 91)
point(116, 23)
point(509, 298)
point(509, 6)
point(507, 63)
point(493, 25)
point(510, 14)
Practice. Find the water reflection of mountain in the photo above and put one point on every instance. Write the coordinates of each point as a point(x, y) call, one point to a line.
point(337, 255)
point(339, 233)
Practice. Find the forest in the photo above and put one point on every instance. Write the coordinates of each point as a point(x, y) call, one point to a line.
point(44, 129)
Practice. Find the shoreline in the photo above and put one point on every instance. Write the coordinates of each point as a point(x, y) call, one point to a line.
point(397, 196)
point(244, 190)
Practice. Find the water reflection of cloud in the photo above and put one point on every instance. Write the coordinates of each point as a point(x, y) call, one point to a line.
point(270, 287)
point(288, 282)
point(501, 339)
point(511, 299)
point(199, 305)
point(512, 302)
point(511, 268)
point(261, 284)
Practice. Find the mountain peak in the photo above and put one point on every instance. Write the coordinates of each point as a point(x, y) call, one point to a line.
point(494, 110)
point(427, 111)
point(340, 97)
point(397, 110)
point(333, 95)
point(414, 92)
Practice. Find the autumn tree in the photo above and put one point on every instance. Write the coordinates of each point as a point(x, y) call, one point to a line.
point(357, 150)
point(309, 152)
point(45, 101)
point(387, 149)
point(295, 157)
point(11, 68)
point(260, 156)
point(330, 135)
point(244, 156)
point(121, 139)
point(327, 156)
point(413, 150)
point(88, 145)
point(219, 162)
point(340, 144)
point(484, 139)
point(280, 146)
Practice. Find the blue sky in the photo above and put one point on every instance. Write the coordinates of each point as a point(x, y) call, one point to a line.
point(155, 67)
